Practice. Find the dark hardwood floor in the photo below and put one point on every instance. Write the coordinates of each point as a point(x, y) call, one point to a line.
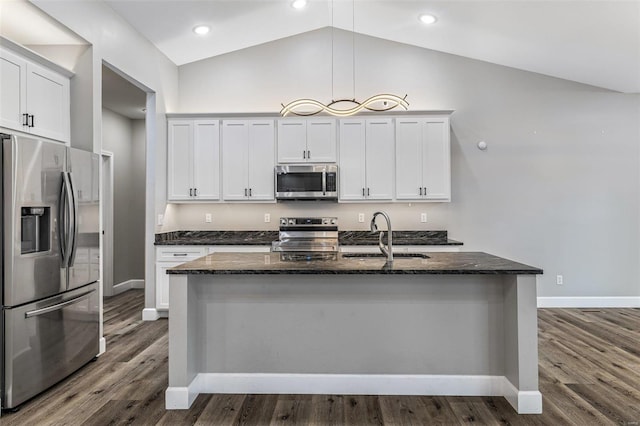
point(589, 375)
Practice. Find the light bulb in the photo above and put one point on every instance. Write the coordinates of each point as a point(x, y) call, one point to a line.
point(299, 4)
point(201, 29)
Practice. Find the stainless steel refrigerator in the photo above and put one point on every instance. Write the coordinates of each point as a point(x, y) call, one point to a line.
point(50, 264)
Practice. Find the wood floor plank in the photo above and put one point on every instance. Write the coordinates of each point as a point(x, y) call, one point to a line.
point(327, 410)
point(589, 372)
point(291, 411)
point(362, 410)
point(221, 410)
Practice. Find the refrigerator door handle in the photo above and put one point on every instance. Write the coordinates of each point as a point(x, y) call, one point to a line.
point(63, 220)
point(58, 306)
point(73, 232)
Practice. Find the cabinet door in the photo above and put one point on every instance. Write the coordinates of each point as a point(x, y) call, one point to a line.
point(12, 86)
point(321, 140)
point(261, 160)
point(436, 159)
point(352, 159)
point(235, 161)
point(409, 159)
point(162, 284)
point(179, 179)
point(292, 141)
point(48, 101)
point(206, 160)
point(379, 159)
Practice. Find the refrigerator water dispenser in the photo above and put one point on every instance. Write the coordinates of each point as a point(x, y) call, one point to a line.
point(35, 232)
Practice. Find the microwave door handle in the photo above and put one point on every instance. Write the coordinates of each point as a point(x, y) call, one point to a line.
point(324, 182)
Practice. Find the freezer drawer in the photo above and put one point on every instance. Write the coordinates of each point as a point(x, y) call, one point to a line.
point(48, 340)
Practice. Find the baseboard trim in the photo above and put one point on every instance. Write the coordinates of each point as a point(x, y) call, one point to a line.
point(127, 285)
point(150, 314)
point(524, 402)
point(529, 402)
point(588, 302)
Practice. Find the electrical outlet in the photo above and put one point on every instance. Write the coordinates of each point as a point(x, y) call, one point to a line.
point(207, 218)
point(160, 219)
point(559, 280)
point(423, 217)
point(267, 218)
point(361, 217)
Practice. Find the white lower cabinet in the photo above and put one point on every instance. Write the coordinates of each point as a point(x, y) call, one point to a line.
point(170, 256)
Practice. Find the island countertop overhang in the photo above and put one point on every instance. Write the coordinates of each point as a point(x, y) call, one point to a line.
point(438, 263)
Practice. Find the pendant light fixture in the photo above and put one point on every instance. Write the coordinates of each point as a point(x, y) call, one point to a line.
point(377, 103)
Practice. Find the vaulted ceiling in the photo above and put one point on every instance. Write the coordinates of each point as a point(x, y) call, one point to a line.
point(592, 42)
point(595, 42)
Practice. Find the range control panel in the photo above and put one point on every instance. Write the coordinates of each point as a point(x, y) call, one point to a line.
point(308, 221)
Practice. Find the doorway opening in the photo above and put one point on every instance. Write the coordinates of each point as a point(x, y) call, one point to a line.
point(124, 140)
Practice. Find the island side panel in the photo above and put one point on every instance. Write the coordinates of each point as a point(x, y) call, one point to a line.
point(521, 344)
point(183, 347)
point(351, 324)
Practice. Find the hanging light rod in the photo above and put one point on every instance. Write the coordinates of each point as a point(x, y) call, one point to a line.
point(306, 107)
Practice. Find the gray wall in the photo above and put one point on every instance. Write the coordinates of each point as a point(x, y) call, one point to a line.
point(125, 138)
point(558, 186)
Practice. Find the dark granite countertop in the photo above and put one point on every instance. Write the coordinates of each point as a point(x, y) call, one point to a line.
point(438, 263)
point(264, 238)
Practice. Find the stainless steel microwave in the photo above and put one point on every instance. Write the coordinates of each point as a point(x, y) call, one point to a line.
point(306, 182)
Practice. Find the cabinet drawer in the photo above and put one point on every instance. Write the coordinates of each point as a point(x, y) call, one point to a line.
point(173, 254)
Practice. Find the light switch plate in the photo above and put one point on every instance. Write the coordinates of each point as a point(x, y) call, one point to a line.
point(160, 219)
point(361, 217)
point(267, 218)
point(423, 217)
point(208, 218)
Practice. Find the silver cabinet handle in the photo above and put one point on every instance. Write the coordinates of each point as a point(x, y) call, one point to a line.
point(58, 306)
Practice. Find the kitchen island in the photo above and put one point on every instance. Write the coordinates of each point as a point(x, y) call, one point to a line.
point(451, 324)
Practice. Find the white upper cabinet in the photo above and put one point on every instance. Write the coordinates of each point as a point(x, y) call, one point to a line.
point(248, 158)
point(307, 140)
point(366, 159)
point(193, 160)
point(423, 159)
point(34, 99)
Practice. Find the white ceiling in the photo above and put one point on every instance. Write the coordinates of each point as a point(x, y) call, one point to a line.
point(592, 42)
point(122, 97)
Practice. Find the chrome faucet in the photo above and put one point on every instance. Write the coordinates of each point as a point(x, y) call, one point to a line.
point(385, 250)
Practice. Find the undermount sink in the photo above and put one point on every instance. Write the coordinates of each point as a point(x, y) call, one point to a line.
point(395, 255)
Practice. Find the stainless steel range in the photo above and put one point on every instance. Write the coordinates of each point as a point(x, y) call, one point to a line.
point(307, 238)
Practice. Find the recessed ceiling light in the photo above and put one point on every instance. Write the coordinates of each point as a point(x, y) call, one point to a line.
point(299, 4)
point(428, 19)
point(201, 29)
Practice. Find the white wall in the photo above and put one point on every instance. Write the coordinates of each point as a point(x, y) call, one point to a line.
point(125, 139)
point(114, 41)
point(558, 186)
